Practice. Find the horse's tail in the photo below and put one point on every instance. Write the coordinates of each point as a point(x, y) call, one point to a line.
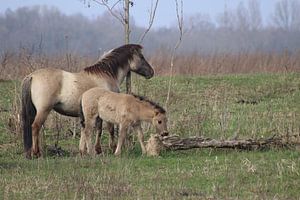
point(28, 113)
point(81, 116)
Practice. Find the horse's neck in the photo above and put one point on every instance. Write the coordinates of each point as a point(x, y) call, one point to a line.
point(122, 72)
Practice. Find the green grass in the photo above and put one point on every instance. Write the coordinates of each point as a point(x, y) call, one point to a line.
point(198, 106)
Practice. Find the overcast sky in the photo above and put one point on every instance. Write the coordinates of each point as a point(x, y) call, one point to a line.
point(165, 15)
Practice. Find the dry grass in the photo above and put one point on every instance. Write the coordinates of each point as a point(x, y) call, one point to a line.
point(196, 64)
point(17, 65)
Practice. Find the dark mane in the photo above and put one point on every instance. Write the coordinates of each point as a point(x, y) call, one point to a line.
point(155, 105)
point(113, 60)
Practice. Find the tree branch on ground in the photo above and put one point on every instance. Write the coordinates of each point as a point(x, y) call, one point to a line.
point(157, 143)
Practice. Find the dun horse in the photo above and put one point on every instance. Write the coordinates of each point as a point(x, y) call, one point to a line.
point(122, 109)
point(47, 89)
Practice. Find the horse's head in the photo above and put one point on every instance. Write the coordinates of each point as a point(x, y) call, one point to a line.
point(140, 65)
point(159, 121)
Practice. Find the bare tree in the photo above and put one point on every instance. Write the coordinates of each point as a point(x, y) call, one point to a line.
point(151, 19)
point(226, 19)
point(242, 17)
point(254, 15)
point(286, 14)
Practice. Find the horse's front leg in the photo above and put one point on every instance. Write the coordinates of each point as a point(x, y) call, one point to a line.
point(122, 136)
point(99, 123)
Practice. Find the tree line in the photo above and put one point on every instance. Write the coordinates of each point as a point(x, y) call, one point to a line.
point(46, 30)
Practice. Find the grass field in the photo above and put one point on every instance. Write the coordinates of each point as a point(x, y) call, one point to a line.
point(247, 106)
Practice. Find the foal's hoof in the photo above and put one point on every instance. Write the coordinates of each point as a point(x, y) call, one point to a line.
point(113, 147)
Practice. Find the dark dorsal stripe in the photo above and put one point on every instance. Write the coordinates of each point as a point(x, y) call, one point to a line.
point(117, 58)
point(153, 104)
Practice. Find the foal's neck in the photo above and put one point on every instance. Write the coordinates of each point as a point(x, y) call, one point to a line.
point(147, 112)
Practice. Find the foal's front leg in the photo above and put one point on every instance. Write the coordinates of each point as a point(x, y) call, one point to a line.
point(122, 136)
point(138, 128)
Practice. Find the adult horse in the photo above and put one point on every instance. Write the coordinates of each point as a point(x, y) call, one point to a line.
point(47, 89)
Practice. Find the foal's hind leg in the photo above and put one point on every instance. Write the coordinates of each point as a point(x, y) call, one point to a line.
point(86, 138)
point(39, 120)
point(98, 148)
point(112, 143)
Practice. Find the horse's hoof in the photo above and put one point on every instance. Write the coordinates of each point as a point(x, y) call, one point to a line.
point(98, 150)
point(28, 155)
point(36, 153)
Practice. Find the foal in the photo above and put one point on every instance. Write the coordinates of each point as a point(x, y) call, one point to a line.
point(122, 109)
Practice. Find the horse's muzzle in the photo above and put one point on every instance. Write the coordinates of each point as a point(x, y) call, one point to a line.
point(150, 75)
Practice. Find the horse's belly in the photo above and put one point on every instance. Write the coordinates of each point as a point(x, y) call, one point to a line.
point(69, 109)
point(70, 95)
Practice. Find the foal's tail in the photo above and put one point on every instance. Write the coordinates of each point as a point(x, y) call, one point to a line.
point(81, 116)
point(28, 113)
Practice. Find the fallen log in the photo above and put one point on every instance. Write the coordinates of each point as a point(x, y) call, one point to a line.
point(157, 143)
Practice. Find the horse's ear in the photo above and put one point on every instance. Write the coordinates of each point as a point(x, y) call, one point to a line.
point(156, 113)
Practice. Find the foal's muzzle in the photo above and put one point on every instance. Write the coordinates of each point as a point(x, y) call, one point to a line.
point(165, 133)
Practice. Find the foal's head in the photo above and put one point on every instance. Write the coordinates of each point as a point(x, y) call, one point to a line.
point(138, 63)
point(159, 121)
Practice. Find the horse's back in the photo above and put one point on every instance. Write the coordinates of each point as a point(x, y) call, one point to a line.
point(55, 88)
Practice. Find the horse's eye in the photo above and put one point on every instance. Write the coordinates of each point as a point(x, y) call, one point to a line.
point(159, 122)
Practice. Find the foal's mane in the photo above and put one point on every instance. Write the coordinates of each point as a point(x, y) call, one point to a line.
point(152, 103)
point(113, 60)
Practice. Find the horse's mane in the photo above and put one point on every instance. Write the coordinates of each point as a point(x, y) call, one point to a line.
point(113, 60)
point(152, 103)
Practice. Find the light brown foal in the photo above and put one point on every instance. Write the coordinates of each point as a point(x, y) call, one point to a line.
point(122, 109)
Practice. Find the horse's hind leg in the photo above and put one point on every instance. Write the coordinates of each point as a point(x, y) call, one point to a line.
point(98, 148)
point(39, 120)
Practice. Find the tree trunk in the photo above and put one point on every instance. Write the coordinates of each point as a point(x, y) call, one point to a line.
point(127, 34)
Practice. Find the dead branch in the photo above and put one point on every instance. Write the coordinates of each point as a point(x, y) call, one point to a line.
point(179, 15)
point(151, 20)
point(111, 10)
point(174, 142)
